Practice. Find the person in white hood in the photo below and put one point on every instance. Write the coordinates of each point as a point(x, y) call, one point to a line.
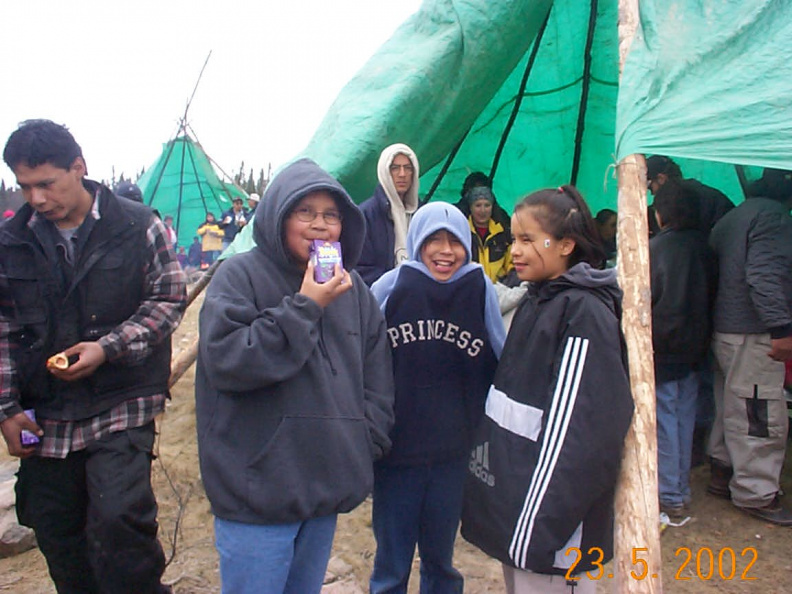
point(388, 212)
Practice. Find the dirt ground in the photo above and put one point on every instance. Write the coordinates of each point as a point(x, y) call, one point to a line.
point(186, 531)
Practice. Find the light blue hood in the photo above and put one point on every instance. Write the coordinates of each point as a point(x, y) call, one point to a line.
point(437, 216)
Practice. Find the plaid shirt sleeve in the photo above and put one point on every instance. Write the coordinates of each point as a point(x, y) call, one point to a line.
point(160, 311)
point(9, 391)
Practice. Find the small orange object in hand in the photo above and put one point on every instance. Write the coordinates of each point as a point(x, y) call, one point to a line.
point(58, 361)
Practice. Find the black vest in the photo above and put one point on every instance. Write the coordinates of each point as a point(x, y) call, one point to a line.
point(106, 287)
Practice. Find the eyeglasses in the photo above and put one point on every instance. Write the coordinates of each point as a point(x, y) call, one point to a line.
point(397, 168)
point(307, 214)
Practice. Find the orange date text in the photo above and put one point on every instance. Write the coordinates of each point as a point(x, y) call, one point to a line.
point(724, 564)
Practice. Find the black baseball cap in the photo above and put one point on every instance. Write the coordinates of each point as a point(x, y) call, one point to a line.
point(129, 190)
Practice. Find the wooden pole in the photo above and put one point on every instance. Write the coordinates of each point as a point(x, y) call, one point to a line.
point(182, 362)
point(637, 531)
point(201, 283)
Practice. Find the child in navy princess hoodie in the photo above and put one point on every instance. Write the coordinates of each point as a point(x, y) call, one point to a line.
point(446, 335)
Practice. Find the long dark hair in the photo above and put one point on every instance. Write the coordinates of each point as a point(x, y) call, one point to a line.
point(562, 212)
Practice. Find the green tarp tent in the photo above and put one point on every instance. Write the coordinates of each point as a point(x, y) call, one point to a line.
point(183, 183)
point(529, 90)
point(540, 104)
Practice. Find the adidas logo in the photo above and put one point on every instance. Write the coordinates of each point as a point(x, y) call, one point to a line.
point(479, 464)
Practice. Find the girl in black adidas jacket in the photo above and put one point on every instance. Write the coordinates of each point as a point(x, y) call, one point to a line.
point(539, 495)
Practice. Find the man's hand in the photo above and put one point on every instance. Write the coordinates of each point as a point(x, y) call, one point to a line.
point(781, 348)
point(325, 293)
point(12, 429)
point(91, 356)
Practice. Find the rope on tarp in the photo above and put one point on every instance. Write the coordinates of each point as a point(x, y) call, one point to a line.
point(584, 93)
point(518, 99)
point(444, 170)
point(509, 124)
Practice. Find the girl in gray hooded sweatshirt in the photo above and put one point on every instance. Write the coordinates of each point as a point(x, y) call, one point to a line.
point(294, 389)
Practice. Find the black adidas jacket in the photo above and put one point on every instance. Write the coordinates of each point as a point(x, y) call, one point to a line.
point(546, 458)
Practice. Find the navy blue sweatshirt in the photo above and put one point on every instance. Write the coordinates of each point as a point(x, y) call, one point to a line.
point(445, 340)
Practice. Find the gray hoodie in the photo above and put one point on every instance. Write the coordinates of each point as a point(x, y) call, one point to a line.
point(294, 402)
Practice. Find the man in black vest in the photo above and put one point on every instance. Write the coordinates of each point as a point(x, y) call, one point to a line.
point(94, 277)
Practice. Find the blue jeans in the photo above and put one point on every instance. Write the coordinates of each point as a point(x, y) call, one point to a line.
point(272, 559)
point(676, 419)
point(417, 505)
point(705, 407)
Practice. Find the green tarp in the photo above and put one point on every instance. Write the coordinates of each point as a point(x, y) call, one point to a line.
point(487, 85)
point(707, 80)
point(710, 80)
point(183, 184)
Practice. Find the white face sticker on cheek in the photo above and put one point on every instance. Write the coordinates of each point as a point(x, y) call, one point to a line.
point(547, 243)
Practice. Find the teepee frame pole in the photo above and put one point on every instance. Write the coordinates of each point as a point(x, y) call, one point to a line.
point(637, 531)
point(195, 88)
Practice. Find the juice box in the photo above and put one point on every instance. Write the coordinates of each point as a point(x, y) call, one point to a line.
point(325, 255)
point(26, 437)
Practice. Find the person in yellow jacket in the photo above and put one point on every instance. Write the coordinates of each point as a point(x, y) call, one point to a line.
point(211, 240)
point(491, 239)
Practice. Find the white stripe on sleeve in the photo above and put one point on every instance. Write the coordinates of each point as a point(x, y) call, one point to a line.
point(564, 398)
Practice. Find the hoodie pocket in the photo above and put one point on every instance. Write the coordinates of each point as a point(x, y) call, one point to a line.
point(311, 467)
point(758, 408)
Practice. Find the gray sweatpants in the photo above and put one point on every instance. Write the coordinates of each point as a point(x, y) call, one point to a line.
point(518, 581)
point(750, 429)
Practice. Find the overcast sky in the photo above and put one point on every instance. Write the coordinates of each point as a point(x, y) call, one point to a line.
point(119, 73)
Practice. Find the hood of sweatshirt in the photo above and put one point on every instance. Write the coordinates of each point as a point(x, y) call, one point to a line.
point(283, 193)
point(430, 218)
point(433, 217)
point(601, 282)
point(386, 181)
